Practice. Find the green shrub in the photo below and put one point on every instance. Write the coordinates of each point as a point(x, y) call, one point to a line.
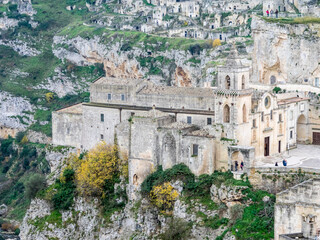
point(276, 90)
point(63, 198)
point(20, 136)
point(177, 172)
point(17, 231)
point(36, 183)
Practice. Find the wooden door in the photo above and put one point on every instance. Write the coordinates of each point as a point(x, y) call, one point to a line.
point(316, 138)
point(266, 146)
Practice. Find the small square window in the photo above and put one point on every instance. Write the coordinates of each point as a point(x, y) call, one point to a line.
point(122, 97)
point(109, 96)
point(189, 120)
point(195, 150)
point(101, 136)
point(209, 121)
point(102, 117)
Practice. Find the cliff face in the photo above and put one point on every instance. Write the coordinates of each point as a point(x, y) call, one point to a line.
point(138, 220)
point(290, 53)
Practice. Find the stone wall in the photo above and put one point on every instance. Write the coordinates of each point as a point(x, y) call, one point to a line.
point(298, 208)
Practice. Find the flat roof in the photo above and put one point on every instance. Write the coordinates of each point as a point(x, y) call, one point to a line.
point(75, 109)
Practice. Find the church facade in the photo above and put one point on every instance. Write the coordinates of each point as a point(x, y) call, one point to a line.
point(205, 128)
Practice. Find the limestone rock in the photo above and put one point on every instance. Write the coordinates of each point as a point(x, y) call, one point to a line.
point(226, 193)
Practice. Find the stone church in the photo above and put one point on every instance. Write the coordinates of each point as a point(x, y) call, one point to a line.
point(206, 128)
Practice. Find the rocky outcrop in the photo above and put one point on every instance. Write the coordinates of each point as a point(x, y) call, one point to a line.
point(14, 111)
point(226, 193)
point(21, 47)
point(24, 6)
point(6, 23)
point(285, 52)
point(177, 69)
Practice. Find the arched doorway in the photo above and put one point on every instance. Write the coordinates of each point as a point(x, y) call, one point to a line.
point(302, 130)
point(168, 151)
point(236, 159)
point(226, 114)
point(228, 82)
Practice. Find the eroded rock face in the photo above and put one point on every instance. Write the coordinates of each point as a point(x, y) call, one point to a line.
point(24, 6)
point(289, 53)
point(226, 193)
point(11, 107)
point(176, 70)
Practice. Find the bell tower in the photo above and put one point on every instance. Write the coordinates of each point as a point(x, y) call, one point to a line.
point(233, 75)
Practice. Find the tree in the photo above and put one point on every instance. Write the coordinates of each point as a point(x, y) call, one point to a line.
point(35, 183)
point(24, 139)
point(100, 165)
point(216, 43)
point(164, 196)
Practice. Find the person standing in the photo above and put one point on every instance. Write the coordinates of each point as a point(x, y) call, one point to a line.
point(236, 165)
point(276, 12)
point(241, 165)
point(267, 13)
point(271, 12)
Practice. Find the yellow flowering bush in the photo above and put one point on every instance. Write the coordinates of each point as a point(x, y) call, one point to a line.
point(216, 43)
point(102, 163)
point(164, 196)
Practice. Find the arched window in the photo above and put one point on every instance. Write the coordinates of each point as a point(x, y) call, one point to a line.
point(244, 113)
point(243, 86)
point(273, 80)
point(226, 114)
point(228, 82)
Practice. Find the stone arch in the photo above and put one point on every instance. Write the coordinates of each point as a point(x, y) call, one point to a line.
point(273, 80)
point(168, 151)
point(244, 114)
point(243, 82)
point(236, 157)
point(302, 129)
point(135, 179)
point(228, 82)
point(226, 114)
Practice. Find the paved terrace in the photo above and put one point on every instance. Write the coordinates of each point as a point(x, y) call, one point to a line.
point(304, 156)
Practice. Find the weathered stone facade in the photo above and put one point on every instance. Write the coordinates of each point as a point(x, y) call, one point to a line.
point(297, 212)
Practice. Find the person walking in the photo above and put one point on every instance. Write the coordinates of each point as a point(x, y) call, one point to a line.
point(276, 164)
point(276, 12)
point(236, 165)
point(267, 13)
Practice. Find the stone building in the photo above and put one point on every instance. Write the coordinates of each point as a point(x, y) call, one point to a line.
point(297, 212)
point(206, 128)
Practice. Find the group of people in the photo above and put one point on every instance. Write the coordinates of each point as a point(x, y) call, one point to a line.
point(236, 165)
point(271, 13)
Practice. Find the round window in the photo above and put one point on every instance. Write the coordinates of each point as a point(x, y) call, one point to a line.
point(267, 102)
